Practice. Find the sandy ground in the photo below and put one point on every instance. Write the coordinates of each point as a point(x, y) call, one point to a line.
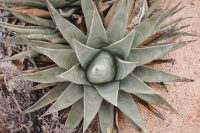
point(184, 97)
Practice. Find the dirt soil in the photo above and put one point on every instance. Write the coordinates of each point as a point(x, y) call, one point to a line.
point(16, 94)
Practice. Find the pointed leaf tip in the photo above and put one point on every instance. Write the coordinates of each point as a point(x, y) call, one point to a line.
point(124, 68)
point(75, 75)
point(67, 29)
point(134, 85)
point(148, 54)
point(97, 34)
point(129, 108)
point(122, 47)
point(64, 58)
point(148, 74)
point(118, 25)
point(48, 98)
point(72, 94)
point(109, 91)
point(88, 10)
point(45, 76)
point(84, 53)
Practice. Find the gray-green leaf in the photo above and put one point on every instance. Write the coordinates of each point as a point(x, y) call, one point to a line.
point(72, 94)
point(133, 85)
point(75, 75)
point(22, 55)
point(128, 107)
point(106, 117)
point(67, 29)
point(88, 11)
point(28, 29)
point(148, 74)
point(64, 58)
point(124, 68)
point(153, 7)
point(84, 53)
point(48, 98)
point(92, 103)
point(118, 25)
point(122, 47)
point(97, 36)
point(35, 20)
point(109, 91)
point(75, 115)
point(146, 29)
point(46, 76)
point(148, 54)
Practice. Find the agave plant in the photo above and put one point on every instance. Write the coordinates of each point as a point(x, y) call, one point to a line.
point(104, 69)
point(38, 3)
point(36, 13)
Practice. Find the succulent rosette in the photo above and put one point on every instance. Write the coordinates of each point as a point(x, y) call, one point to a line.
point(102, 70)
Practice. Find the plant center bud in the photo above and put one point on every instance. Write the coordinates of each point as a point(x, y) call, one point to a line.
point(102, 69)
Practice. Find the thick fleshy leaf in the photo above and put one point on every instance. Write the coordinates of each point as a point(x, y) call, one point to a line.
point(172, 34)
point(34, 20)
point(146, 29)
point(179, 45)
point(39, 46)
point(54, 38)
point(37, 3)
point(124, 68)
point(148, 54)
point(72, 94)
point(174, 22)
point(147, 74)
point(175, 45)
point(118, 25)
point(153, 7)
point(128, 107)
point(43, 22)
point(133, 85)
point(122, 47)
point(88, 10)
point(61, 3)
point(92, 103)
point(168, 14)
point(28, 29)
point(75, 75)
point(106, 117)
point(44, 44)
point(84, 53)
point(75, 115)
point(46, 76)
point(109, 91)
point(150, 26)
point(67, 29)
point(48, 98)
point(64, 58)
point(23, 41)
point(97, 36)
point(22, 55)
